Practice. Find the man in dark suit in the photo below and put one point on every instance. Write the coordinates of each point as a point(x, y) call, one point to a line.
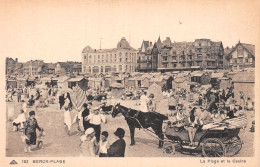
point(85, 113)
point(61, 100)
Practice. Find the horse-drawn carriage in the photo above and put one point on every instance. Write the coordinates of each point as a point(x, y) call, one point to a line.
point(220, 140)
point(213, 140)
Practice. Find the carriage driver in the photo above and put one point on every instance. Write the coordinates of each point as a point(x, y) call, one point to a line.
point(151, 107)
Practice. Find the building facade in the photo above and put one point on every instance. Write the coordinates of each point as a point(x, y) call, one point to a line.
point(147, 58)
point(241, 56)
point(13, 66)
point(33, 67)
point(120, 59)
point(200, 54)
point(49, 68)
point(69, 67)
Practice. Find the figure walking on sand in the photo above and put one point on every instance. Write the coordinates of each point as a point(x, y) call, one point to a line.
point(30, 131)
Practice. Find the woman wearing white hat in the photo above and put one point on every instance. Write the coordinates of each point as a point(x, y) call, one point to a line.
point(88, 143)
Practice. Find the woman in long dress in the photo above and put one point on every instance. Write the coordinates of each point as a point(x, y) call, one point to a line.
point(67, 117)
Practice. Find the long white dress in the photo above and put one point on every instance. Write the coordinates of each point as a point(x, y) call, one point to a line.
point(144, 100)
point(67, 117)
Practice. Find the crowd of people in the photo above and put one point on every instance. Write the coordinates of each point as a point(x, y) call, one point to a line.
point(202, 110)
point(193, 113)
point(92, 142)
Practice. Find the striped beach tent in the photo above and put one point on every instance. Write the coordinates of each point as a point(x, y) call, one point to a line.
point(78, 97)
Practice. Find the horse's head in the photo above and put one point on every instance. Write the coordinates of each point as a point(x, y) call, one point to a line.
point(116, 110)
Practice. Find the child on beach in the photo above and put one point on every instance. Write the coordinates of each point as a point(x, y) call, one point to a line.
point(103, 144)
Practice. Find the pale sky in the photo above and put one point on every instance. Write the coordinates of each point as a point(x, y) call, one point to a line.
point(58, 30)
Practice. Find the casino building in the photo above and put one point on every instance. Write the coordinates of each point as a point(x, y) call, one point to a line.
point(120, 59)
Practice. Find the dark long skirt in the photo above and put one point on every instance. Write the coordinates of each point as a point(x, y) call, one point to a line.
point(97, 129)
point(86, 125)
point(31, 138)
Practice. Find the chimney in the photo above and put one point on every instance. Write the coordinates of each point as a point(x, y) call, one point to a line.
point(151, 43)
point(16, 60)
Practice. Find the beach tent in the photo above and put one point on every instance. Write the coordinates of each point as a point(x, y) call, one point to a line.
point(117, 90)
point(78, 97)
point(156, 90)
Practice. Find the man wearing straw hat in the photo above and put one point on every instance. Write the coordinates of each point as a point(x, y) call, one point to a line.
point(95, 120)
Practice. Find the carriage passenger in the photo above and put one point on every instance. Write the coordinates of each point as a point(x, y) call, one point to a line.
point(239, 112)
point(215, 116)
point(192, 125)
point(144, 101)
point(151, 103)
point(223, 115)
point(204, 116)
point(180, 116)
point(172, 104)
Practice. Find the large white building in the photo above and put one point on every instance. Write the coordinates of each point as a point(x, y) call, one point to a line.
point(120, 59)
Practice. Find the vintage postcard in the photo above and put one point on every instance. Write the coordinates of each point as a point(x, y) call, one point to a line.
point(144, 83)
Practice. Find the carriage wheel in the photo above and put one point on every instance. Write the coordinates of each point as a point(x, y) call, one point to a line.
point(169, 148)
point(213, 147)
point(233, 145)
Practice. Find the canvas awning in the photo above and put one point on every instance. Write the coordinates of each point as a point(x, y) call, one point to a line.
point(75, 79)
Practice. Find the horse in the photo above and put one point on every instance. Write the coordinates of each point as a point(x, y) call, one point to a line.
point(149, 119)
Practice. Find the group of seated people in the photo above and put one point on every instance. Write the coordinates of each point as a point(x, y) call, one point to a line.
point(198, 117)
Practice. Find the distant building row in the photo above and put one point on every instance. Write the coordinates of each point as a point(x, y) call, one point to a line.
point(168, 56)
point(200, 54)
point(38, 67)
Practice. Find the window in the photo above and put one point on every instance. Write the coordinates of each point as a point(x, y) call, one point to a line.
point(85, 57)
point(235, 60)
point(174, 65)
point(240, 50)
point(89, 69)
point(101, 69)
point(120, 67)
point(174, 57)
point(246, 60)
point(199, 57)
point(120, 59)
point(240, 60)
point(125, 67)
point(114, 69)
point(165, 65)
point(126, 59)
